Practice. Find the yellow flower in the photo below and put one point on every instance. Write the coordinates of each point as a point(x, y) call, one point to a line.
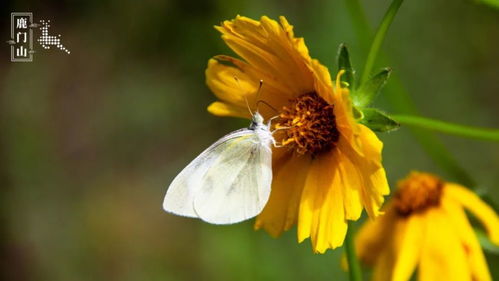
point(425, 226)
point(330, 167)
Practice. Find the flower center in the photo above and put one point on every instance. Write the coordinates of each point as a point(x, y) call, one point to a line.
point(309, 124)
point(418, 192)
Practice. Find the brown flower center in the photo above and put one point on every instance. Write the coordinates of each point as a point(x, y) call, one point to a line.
point(418, 192)
point(310, 125)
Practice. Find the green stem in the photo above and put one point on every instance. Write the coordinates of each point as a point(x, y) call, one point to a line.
point(359, 21)
point(354, 271)
point(401, 101)
point(378, 39)
point(448, 128)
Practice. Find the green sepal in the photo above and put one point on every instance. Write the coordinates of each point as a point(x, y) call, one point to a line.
point(343, 62)
point(485, 242)
point(357, 113)
point(377, 120)
point(368, 91)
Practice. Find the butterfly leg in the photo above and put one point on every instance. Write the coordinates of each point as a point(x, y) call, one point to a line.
point(269, 123)
point(277, 145)
point(280, 129)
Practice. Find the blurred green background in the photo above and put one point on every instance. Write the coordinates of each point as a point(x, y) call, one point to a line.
point(90, 141)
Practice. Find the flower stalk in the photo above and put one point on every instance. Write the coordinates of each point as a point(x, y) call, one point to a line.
point(448, 128)
point(379, 38)
point(354, 270)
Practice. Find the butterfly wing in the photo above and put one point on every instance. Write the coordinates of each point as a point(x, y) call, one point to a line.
point(237, 186)
point(234, 171)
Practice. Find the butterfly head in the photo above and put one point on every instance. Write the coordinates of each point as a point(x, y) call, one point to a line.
point(257, 119)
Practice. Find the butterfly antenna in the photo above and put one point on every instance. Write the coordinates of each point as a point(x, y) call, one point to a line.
point(249, 108)
point(245, 99)
point(258, 93)
point(267, 104)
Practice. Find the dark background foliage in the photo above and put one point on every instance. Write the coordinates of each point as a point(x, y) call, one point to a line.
point(90, 141)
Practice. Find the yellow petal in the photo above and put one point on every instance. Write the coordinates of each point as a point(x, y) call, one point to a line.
point(384, 266)
point(323, 83)
point(225, 109)
point(282, 209)
point(371, 144)
point(298, 43)
point(442, 254)
point(351, 187)
point(392, 244)
point(370, 171)
point(321, 213)
point(372, 147)
point(389, 255)
point(409, 251)
point(272, 49)
point(235, 88)
point(472, 249)
point(374, 236)
point(477, 207)
point(235, 82)
point(230, 84)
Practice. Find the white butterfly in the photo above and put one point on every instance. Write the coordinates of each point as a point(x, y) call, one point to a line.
point(230, 181)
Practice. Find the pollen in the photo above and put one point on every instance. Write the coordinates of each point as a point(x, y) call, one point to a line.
point(308, 125)
point(417, 193)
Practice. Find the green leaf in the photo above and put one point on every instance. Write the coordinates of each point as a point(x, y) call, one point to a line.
point(378, 121)
point(344, 63)
point(491, 3)
point(368, 91)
